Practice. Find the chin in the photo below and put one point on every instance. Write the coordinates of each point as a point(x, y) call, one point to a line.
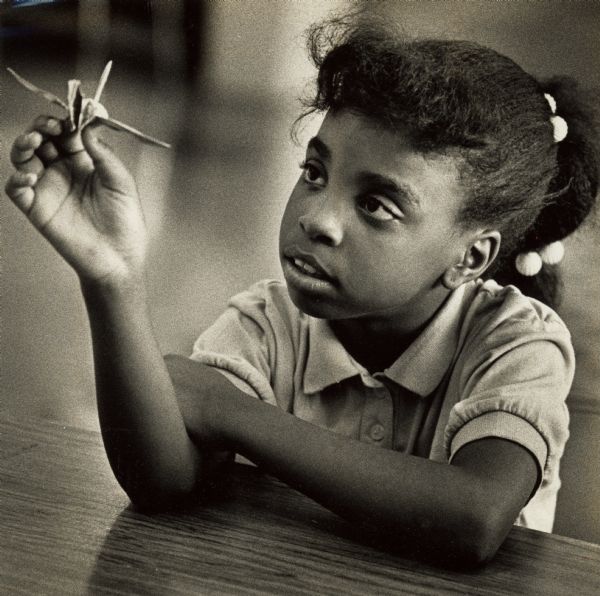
point(314, 306)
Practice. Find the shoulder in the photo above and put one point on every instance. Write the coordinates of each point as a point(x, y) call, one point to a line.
point(495, 313)
point(268, 305)
point(269, 297)
point(511, 340)
point(262, 292)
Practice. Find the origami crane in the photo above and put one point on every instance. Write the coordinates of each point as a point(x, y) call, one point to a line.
point(82, 110)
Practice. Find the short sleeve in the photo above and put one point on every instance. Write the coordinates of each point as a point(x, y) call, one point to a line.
point(515, 389)
point(239, 344)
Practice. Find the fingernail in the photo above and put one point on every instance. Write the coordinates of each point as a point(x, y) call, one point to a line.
point(52, 123)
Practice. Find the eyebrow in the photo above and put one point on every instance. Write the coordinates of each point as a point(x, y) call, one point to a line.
point(395, 188)
point(320, 147)
point(391, 186)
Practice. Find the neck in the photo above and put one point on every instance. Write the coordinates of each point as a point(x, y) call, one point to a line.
point(377, 342)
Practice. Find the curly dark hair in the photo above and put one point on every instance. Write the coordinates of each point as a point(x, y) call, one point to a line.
point(458, 97)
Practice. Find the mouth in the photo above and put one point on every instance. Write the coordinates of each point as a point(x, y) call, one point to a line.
point(305, 270)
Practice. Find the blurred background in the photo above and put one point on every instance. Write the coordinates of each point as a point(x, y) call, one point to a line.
point(220, 80)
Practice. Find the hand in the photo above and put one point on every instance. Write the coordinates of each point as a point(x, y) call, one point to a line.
point(81, 197)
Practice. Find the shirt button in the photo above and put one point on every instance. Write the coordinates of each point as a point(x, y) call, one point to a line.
point(377, 432)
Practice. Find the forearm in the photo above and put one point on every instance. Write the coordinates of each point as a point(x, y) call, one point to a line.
point(142, 427)
point(433, 507)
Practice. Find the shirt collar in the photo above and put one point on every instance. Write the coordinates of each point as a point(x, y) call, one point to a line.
point(328, 361)
point(420, 368)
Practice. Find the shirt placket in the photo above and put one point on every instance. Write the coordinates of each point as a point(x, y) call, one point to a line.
point(377, 420)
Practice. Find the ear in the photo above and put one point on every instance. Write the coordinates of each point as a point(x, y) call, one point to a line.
point(479, 254)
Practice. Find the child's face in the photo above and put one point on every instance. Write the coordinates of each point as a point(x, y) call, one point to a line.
point(370, 227)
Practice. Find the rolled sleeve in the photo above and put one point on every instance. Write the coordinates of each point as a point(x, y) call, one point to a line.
point(504, 426)
point(517, 392)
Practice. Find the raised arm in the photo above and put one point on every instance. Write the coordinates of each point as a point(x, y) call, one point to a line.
point(79, 195)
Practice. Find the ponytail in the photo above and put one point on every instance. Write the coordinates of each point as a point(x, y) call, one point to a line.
point(571, 193)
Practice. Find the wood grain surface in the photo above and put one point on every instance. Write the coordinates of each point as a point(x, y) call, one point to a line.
point(67, 528)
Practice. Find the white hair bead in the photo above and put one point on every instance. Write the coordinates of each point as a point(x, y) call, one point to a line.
point(559, 124)
point(551, 102)
point(560, 128)
point(553, 253)
point(529, 264)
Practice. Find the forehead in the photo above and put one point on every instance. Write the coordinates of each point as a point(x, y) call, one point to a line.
point(357, 144)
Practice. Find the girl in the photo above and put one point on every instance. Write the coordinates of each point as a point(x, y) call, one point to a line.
point(411, 395)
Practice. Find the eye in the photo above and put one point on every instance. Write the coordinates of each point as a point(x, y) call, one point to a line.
point(379, 208)
point(312, 174)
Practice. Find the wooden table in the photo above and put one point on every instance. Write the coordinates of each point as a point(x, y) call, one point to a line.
point(66, 528)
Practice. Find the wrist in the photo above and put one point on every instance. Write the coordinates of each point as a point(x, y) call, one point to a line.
point(117, 286)
point(123, 298)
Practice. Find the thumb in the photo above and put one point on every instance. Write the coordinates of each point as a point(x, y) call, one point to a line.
point(110, 168)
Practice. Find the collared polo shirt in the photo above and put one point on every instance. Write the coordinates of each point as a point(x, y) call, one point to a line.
point(491, 363)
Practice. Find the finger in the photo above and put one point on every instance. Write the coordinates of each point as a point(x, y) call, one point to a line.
point(67, 142)
point(22, 153)
point(70, 143)
point(19, 190)
point(21, 179)
point(47, 126)
point(111, 170)
point(47, 152)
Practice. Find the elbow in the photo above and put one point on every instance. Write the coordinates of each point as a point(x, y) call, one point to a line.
point(488, 545)
point(156, 493)
point(475, 553)
point(459, 539)
point(152, 500)
point(481, 534)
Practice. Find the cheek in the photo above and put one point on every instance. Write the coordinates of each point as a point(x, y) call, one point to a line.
point(287, 221)
point(372, 271)
point(291, 213)
point(398, 267)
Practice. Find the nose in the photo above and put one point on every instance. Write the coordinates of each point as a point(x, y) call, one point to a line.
point(323, 224)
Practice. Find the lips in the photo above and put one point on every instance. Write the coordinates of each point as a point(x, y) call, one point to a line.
point(307, 264)
point(308, 269)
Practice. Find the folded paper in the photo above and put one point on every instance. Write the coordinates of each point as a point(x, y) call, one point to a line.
point(83, 110)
